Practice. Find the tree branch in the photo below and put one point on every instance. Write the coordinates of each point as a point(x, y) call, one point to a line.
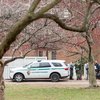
point(97, 1)
point(82, 28)
point(62, 24)
point(34, 5)
point(21, 24)
point(47, 7)
point(13, 59)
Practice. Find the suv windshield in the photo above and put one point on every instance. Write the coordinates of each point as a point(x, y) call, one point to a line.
point(27, 65)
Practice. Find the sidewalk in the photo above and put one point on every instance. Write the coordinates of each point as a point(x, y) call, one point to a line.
point(48, 83)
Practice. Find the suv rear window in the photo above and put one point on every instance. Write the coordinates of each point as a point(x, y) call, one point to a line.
point(65, 63)
point(44, 64)
point(57, 64)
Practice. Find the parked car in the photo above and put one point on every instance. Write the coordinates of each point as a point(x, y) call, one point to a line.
point(50, 69)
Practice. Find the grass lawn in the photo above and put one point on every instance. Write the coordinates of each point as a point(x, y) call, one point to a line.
point(29, 92)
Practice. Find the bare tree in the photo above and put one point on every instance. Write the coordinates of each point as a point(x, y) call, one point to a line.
point(35, 13)
point(29, 17)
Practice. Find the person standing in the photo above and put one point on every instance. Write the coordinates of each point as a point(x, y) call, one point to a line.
point(97, 66)
point(71, 71)
point(97, 70)
point(86, 70)
point(78, 72)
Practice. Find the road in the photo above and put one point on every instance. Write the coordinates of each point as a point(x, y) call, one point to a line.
point(48, 83)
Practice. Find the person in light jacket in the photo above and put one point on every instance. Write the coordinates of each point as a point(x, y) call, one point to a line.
point(86, 70)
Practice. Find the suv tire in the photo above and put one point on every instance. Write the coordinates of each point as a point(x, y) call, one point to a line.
point(55, 77)
point(18, 77)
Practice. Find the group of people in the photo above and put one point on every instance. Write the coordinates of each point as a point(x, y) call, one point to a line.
point(97, 69)
point(76, 70)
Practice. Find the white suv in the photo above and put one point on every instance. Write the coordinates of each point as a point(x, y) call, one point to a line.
point(51, 69)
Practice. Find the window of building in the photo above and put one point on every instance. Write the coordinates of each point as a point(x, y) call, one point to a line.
point(54, 54)
point(40, 53)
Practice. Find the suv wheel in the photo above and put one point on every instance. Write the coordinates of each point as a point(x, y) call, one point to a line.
point(55, 77)
point(18, 77)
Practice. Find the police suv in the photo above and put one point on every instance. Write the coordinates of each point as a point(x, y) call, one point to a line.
point(50, 69)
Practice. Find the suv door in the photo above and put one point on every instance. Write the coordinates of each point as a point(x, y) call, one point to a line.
point(32, 71)
point(44, 70)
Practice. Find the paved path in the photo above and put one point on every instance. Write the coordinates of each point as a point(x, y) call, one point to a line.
point(48, 83)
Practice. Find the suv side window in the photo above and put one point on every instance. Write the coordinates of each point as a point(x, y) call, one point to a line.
point(44, 64)
point(57, 64)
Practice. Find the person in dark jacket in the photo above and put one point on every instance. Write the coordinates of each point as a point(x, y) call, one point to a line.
point(97, 70)
point(97, 66)
point(71, 71)
point(78, 72)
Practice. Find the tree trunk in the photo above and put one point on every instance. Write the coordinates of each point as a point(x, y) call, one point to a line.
point(2, 85)
point(92, 74)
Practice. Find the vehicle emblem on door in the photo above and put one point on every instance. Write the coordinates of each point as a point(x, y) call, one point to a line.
point(28, 72)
